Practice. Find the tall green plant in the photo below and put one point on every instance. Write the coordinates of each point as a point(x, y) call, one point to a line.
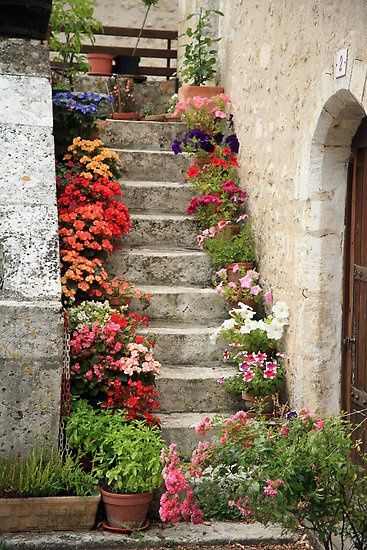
point(200, 55)
point(71, 23)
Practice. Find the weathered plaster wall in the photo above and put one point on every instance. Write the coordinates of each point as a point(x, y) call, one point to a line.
point(277, 65)
point(295, 122)
point(31, 329)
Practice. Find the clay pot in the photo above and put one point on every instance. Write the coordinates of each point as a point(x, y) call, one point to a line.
point(126, 510)
point(186, 92)
point(246, 301)
point(170, 117)
point(203, 161)
point(125, 116)
point(126, 64)
point(100, 64)
point(117, 301)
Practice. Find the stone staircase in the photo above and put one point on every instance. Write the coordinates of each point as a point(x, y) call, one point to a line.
point(160, 255)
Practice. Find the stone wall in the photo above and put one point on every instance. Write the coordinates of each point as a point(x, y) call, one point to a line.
point(295, 122)
point(31, 328)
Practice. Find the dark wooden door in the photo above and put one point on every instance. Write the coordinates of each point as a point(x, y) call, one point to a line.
point(355, 304)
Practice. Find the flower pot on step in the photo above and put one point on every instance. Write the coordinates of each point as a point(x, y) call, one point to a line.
point(186, 92)
point(234, 303)
point(258, 404)
point(126, 510)
point(100, 64)
point(126, 64)
point(125, 116)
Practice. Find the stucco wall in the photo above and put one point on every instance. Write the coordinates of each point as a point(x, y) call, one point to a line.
point(276, 61)
point(277, 65)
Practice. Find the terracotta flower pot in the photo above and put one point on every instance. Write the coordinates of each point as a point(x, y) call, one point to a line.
point(126, 510)
point(117, 301)
point(262, 404)
point(186, 92)
point(100, 64)
point(125, 116)
point(250, 303)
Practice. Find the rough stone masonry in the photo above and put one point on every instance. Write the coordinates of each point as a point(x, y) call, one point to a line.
point(31, 328)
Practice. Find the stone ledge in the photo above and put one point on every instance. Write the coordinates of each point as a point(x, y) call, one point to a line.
point(214, 532)
point(24, 57)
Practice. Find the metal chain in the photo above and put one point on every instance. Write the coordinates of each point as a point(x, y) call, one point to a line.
point(65, 387)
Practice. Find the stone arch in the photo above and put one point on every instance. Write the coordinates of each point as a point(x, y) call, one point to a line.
point(323, 189)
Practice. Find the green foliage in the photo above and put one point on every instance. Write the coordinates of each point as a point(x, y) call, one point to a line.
point(74, 21)
point(225, 248)
point(150, 3)
point(200, 55)
point(126, 455)
point(295, 472)
point(41, 474)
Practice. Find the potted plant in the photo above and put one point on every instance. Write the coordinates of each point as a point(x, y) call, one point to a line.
point(125, 460)
point(252, 345)
point(43, 491)
point(199, 61)
point(227, 249)
point(241, 285)
point(29, 19)
point(71, 23)
point(125, 105)
point(129, 64)
point(123, 292)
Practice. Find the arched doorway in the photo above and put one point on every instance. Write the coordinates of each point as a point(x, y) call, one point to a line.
point(355, 301)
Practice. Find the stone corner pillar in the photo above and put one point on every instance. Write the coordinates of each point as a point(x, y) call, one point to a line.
point(31, 327)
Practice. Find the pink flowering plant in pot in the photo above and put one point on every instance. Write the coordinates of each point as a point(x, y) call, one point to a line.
point(246, 289)
point(296, 472)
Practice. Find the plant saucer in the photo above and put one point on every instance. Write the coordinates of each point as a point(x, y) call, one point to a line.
point(123, 530)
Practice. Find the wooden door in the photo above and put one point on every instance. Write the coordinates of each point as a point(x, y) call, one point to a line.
point(355, 303)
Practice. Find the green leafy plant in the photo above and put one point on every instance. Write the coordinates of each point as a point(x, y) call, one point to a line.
point(126, 455)
point(200, 55)
point(43, 473)
point(225, 248)
point(71, 23)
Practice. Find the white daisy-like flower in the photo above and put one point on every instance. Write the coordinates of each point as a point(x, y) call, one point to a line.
point(274, 329)
point(245, 311)
point(281, 311)
point(228, 324)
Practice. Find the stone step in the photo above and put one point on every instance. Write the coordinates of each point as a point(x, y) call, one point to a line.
point(195, 389)
point(166, 267)
point(186, 345)
point(159, 230)
point(142, 134)
point(184, 304)
point(157, 197)
point(140, 165)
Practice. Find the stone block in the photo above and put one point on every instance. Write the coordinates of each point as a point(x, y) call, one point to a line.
point(153, 165)
point(25, 100)
point(147, 135)
point(155, 197)
point(27, 175)
point(161, 230)
point(28, 234)
point(24, 57)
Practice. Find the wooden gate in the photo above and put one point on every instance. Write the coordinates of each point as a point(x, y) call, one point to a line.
point(355, 302)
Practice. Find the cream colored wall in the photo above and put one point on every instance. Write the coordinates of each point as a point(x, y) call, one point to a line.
point(277, 65)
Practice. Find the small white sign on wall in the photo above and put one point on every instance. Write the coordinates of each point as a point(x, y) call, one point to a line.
point(341, 59)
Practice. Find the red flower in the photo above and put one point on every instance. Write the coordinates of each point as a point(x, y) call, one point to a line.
point(193, 171)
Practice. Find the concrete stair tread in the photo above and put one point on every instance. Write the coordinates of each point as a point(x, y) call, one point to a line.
point(187, 420)
point(148, 183)
point(163, 289)
point(196, 373)
point(160, 152)
point(158, 328)
point(162, 252)
point(163, 216)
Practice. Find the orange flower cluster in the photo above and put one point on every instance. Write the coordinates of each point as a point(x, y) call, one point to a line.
point(91, 216)
point(82, 275)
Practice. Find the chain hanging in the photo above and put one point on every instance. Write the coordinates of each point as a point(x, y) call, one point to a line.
point(65, 387)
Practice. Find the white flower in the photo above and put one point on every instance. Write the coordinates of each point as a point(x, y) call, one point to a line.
point(281, 311)
point(248, 326)
point(245, 311)
point(274, 329)
point(228, 324)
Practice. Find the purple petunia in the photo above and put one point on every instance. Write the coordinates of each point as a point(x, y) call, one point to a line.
point(233, 143)
point(176, 147)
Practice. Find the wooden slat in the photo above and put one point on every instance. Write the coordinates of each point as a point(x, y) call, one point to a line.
point(147, 33)
point(157, 71)
point(141, 52)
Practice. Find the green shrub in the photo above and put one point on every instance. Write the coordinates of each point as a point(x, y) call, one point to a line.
point(225, 248)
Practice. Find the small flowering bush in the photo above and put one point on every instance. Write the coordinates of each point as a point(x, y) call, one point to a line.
point(76, 113)
point(296, 471)
point(81, 277)
point(206, 114)
point(123, 95)
point(224, 247)
point(247, 287)
point(89, 312)
point(119, 287)
point(96, 160)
